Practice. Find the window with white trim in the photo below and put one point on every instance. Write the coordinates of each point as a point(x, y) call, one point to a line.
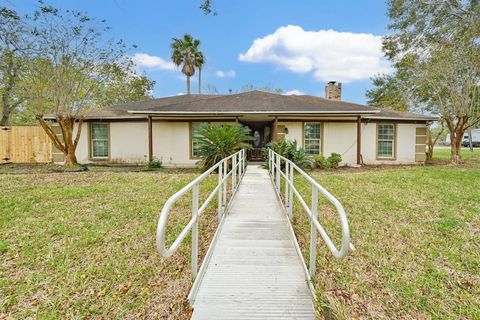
point(386, 140)
point(100, 143)
point(312, 141)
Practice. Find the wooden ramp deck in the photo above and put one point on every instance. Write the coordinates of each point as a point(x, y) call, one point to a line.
point(254, 271)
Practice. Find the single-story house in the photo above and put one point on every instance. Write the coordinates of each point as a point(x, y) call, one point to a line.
point(162, 128)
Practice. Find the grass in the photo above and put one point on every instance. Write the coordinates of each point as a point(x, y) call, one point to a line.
point(417, 236)
point(443, 154)
point(82, 245)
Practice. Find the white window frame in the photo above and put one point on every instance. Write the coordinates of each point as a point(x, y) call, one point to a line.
point(319, 139)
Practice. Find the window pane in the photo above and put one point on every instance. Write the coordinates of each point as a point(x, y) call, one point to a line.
point(386, 140)
point(100, 140)
point(312, 147)
point(195, 128)
point(312, 130)
point(385, 148)
point(312, 142)
point(100, 148)
point(99, 131)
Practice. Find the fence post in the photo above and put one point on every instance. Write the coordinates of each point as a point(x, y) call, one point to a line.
point(290, 193)
point(278, 173)
point(313, 232)
point(220, 204)
point(195, 231)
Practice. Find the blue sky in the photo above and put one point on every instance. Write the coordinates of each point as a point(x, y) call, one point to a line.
point(294, 51)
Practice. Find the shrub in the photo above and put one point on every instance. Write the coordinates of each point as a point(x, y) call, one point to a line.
point(154, 164)
point(334, 160)
point(289, 150)
point(331, 162)
point(215, 142)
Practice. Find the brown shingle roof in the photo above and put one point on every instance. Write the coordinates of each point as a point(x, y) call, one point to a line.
point(258, 102)
point(247, 102)
point(400, 115)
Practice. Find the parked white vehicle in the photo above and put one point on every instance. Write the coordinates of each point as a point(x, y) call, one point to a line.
point(466, 139)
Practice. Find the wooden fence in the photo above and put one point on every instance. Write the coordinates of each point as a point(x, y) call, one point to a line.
point(24, 145)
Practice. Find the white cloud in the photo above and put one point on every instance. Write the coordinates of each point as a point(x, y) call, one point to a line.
point(225, 74)
point(148, 62)
point(328, 54)
point(295, 92)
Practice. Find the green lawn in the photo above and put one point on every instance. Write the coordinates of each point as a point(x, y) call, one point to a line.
point(417, 236)
point(82, 246)
point(443, 154)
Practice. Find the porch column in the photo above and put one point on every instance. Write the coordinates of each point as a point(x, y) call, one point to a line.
point(359, 140)
point(150, 139)
point(275, 129)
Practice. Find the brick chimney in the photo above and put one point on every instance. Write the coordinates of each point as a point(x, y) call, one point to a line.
point(333, 90)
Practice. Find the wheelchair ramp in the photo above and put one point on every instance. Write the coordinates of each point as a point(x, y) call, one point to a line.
point(254, 271)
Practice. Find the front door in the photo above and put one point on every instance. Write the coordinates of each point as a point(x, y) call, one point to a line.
point(261, 135)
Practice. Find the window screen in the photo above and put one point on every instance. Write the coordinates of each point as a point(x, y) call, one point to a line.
point(312, 138)
point(100, 140)
point(386, 140)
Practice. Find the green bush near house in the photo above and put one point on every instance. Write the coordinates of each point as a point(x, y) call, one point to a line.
point(154, 164)
point(215, 142)
point(331, 162)
point(291, 151)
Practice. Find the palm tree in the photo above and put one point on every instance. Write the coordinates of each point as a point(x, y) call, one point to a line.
point(215, 142)
point(185, 52)
point(199, 62)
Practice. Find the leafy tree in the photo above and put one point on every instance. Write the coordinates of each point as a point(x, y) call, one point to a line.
point(185, 53)
point(14, 45)
point(435, 50)
point(388, 93)
point(215, 142)
point(75, 70)
point(122, 85)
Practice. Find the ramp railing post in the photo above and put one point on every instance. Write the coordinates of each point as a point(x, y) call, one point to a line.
point(234, 173)
point(278, 173)
point(290, 195)
point(287, 204)
point(313, 232)
point(225, 168)
point(195, 231)
point(220, 204)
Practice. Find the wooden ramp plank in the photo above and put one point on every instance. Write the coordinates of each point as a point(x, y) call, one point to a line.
point(254, 271)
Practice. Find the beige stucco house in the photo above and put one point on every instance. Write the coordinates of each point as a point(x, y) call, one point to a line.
point(163, 128)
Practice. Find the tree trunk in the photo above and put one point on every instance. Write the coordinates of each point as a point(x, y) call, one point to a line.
point(456, 144)
point(5, 122)
point(199, 80)
point(188, 84)
point(70, 143)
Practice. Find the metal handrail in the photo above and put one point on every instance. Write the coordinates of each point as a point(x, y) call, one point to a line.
point(275, 170)
point(238, 162)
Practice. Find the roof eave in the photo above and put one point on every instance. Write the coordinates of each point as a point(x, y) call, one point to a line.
point(254, 112)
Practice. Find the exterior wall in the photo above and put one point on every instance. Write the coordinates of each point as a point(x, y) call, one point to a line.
point(171, 142)
point(295, 131)
point(341, 138)
point(405, 144)
point(129, 143)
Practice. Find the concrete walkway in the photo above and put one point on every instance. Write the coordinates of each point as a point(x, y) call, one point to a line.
point(255, 271)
